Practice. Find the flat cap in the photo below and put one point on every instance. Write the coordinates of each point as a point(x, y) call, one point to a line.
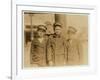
point(42, 27)
point(57, 24)
point(72, 29)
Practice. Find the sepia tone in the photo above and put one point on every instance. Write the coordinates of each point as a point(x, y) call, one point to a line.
point(68, 49)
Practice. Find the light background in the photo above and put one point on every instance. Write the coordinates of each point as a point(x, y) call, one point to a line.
point(5, 33)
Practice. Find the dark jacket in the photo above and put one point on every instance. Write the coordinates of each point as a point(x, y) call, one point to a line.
point(57, 50)
point(38, 52)
point(74, 52)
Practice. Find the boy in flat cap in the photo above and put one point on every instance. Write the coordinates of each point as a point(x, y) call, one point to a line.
point(56, 49)
point(38, 48)
point(74, 47)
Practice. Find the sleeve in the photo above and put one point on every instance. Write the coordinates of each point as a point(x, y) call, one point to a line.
point(33, 56)
point(49, 52)
point(80, 51)
point(65, 50)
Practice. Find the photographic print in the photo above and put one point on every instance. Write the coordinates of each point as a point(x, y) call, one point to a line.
point(54, 39)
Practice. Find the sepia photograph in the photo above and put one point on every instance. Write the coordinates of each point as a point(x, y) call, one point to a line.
point(51, 41)
point(54, 39)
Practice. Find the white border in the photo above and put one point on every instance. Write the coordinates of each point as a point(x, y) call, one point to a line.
point(19, 74)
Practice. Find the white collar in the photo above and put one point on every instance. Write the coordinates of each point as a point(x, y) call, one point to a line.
point(40, 40)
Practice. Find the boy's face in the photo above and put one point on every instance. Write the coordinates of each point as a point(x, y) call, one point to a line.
point(58, 30)
point(41, 33)
point(70, 34)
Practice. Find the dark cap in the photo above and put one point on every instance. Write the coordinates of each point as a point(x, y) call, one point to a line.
point(57, 24)
point(72, 29)
point(42, 27)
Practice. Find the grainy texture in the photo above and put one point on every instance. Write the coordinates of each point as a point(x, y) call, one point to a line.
point(69, 49)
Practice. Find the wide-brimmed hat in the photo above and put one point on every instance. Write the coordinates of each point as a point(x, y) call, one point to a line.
point(72, 29)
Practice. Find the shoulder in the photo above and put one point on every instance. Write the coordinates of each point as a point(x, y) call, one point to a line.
point(63, 38)
point(34, 41)
point(76, 41)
